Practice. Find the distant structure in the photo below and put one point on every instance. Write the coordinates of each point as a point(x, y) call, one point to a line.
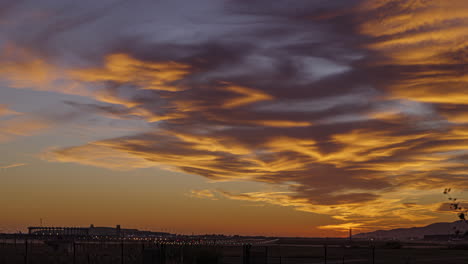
point(350, 234)
point(92, 231)
point(446, 237)
point(72, 231)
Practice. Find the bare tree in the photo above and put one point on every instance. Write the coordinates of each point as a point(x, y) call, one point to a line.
point(457, 207)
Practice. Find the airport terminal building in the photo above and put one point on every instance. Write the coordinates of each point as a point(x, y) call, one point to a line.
point(91, 231)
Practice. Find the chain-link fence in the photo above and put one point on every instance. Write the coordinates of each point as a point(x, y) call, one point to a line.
point(126, 252)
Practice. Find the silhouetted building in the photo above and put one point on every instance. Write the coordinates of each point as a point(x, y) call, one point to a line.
point(93, 231)
point(51, 231)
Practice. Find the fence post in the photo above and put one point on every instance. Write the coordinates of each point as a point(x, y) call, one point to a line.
point(243, 254)
point(266, 254)
point(74, 252)
point(280, 254)
point(325, 253)
point(121, 251)
point(180, 253)
point(26, 251)
point(246, 254)
point(408, 260)
point(163, 253)
point(344, 253)
point(373, 254)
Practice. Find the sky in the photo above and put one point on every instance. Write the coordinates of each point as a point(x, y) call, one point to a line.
point(254, 117)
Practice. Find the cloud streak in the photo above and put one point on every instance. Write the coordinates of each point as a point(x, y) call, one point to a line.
point(202, 194)
point(13, 165)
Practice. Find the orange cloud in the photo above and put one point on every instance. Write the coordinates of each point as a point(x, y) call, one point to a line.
point(361, 145)
point(202, 194)
point(303, 146)
point(21, 126)
point(99, 155)
point(23, 69)
point(123, 69)
point(202, 142)
point(248, 96)
point(426, 37)
point(342, 227)
point(282, 123)
point(5, 111)
point(390, 212)
point(458, 117)
point(417, 32)
point(14, 165)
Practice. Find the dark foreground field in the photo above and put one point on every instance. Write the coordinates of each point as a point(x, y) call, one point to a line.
point(39, 252)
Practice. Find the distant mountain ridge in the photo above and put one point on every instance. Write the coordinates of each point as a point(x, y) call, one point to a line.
point(417, 232)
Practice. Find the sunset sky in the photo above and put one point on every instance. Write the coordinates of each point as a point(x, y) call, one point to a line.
point(281, 118)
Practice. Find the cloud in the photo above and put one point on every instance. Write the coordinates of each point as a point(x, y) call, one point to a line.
point(358, 108)
point(342, 227)
point(13, 165)
point(425, 44)
point(123, 69)
point(21, 126)
point(20, 68)
point(248, 96)
point(98, 155)
point(5, 111)
point(389, 211)
point(202, 194)
point(447, 207)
